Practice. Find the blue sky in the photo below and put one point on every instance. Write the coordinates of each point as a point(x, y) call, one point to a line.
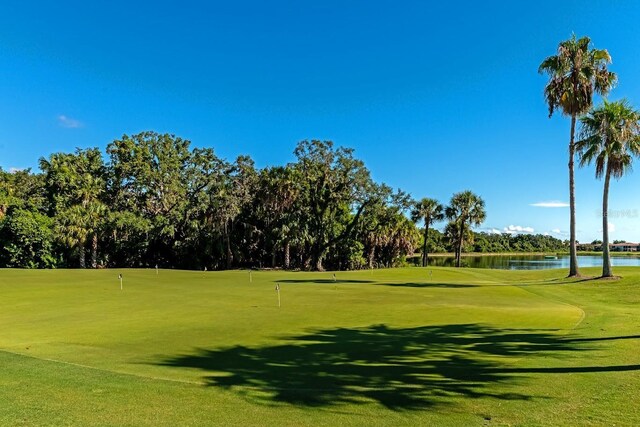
point(435, 97)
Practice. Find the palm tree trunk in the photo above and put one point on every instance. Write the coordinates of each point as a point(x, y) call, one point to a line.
point(606, 259)
point(425, 261)
point(228, 245)
point(287, 256)
point(424, 246)
point(459, 249)
point(81, 256)
point(573, 253)
point(94, 251)
point(372, 255)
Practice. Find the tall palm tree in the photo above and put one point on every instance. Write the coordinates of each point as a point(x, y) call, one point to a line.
point(95, 214)
point(465, 210)
point(278, 198)
point(575, 73)
point(72, 229)
point(610, 138)
point(428, 211)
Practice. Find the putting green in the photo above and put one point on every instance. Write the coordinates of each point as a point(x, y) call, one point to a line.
point(403, 346)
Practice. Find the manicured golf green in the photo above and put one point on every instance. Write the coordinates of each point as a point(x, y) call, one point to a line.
point(387, 347)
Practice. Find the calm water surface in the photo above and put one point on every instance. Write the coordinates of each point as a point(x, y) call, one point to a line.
point(531, 262)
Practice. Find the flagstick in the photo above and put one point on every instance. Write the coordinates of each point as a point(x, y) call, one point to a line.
point(278, 289)
point(250, 277)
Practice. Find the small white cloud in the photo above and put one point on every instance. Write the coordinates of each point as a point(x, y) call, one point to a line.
point(68, 122)
point(14, 170)
point(550, 204)
point(518, 229)
point(557, 232)
point(612, 228)
point(491, 230)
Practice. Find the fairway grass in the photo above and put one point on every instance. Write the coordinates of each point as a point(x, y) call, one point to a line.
point(385, 347)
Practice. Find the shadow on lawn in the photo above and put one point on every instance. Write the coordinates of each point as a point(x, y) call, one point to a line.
point(331, 281)
point(426, 285)
point(402, 369)
point(395, 284)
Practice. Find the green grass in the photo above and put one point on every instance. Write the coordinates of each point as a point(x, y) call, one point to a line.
point(388, 347)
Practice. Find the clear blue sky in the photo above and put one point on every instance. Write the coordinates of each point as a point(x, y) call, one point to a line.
point(435, 97)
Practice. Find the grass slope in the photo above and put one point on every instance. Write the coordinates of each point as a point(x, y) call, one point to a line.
point(388, 347)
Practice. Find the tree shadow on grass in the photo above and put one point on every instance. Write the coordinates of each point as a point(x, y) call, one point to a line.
point(328, 281)
point(395, 284)
point(399, 368)
point(426, 285)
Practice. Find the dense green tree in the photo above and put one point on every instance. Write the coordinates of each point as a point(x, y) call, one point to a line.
point(575, 73)
point(436, 241)
point(27, 240)
point(274, 211)
point(202, 242)
point(236, 196)
point(382, 228)
point(505, 242)
point(76, 187)
point(400, 240)
point(334, 188)
point(22, 189)
point(465, 210)
point(428, 211)
point(610, 138)
point(148, 176)
point(376, 225)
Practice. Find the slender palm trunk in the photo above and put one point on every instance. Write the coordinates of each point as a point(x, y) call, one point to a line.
point(573, 254)
point(81, 256)
point(287, 256)
point(94, 251)
point(229, 253)
point(228, 245)
point(606, 259)
point(425, 257)
point(459, 249)
point(372, 255)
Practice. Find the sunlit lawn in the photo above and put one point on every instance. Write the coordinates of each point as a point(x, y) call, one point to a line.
point(388, 347)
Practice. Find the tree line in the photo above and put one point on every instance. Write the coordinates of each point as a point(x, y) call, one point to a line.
point(152, 200)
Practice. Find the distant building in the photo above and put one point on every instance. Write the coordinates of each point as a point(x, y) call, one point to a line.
point(625, 247)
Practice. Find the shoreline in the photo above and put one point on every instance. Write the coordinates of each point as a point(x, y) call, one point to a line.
point(475, 254)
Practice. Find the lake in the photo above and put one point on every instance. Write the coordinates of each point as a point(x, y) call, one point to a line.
point(531, 262)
